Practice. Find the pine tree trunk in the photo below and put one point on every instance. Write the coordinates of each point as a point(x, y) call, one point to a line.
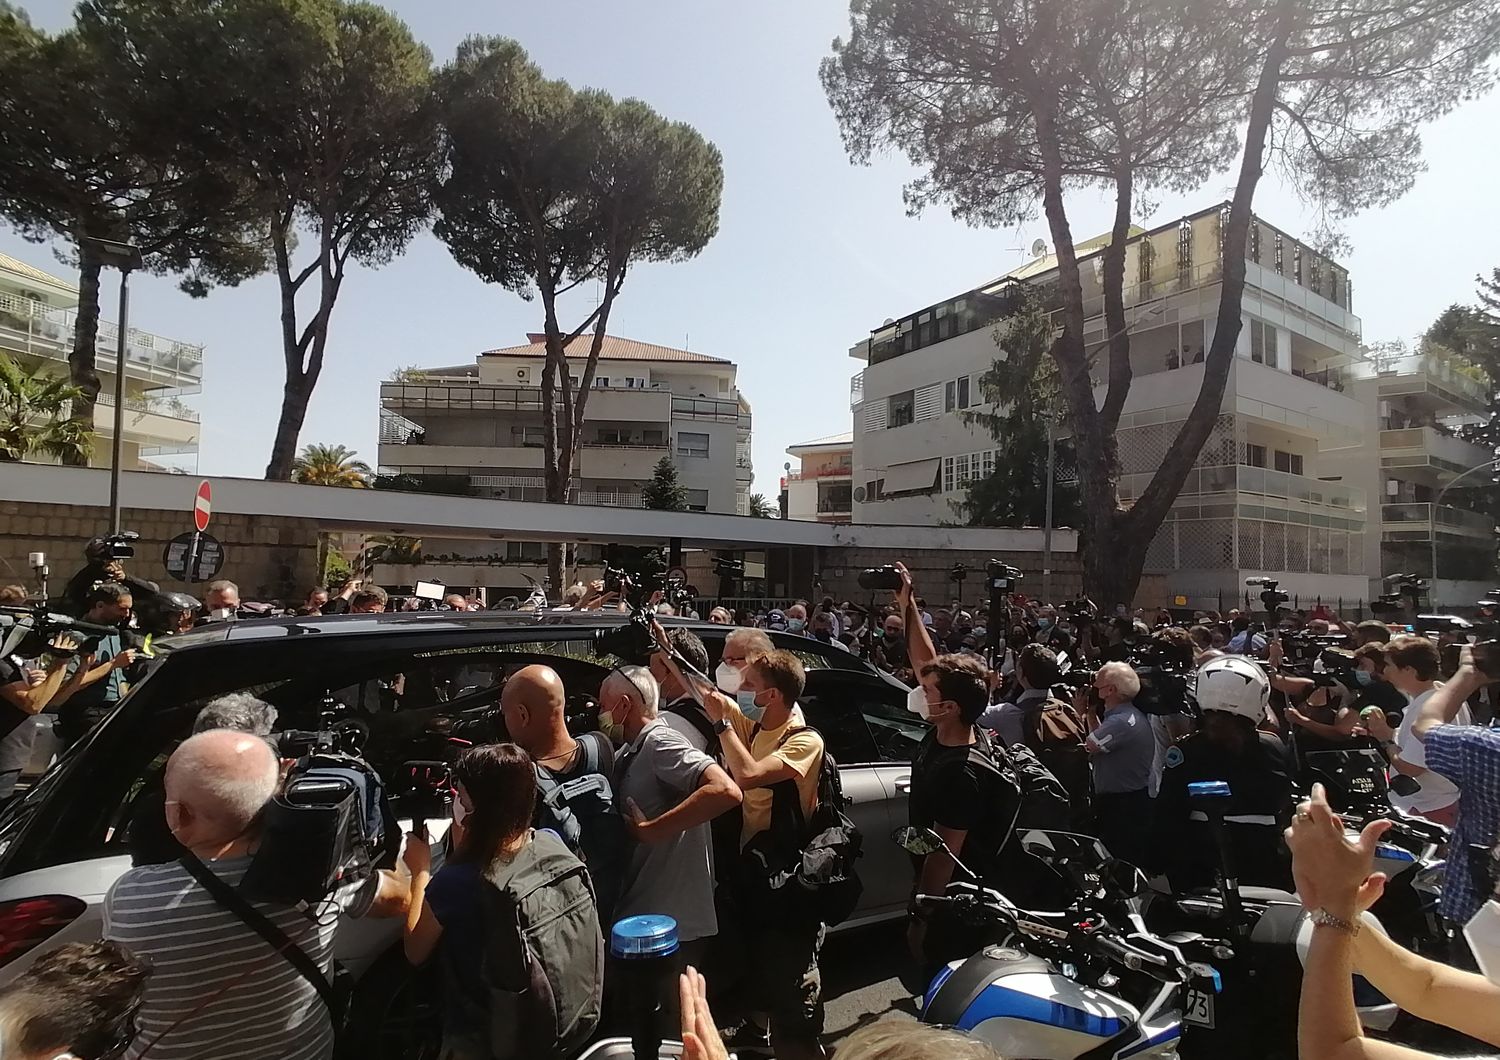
point(82, 359)
point(294, 399)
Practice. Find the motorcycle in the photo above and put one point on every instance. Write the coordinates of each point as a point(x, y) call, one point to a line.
point(1088, 983)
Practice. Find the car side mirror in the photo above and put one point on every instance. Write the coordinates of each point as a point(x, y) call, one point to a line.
point(918, 841)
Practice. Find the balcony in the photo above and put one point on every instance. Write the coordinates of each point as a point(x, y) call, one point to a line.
point(1414, 522)
point(414, 453)
point(1440, 381)
point(151, 422)
point(1431, 447)
point(1260, 493)
point(619, 404)
point(827, 471)
point(610, 461)
point(36, 329)
point(710, 409)
point(1269, 294)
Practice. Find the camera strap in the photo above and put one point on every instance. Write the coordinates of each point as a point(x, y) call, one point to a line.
point(230, 899)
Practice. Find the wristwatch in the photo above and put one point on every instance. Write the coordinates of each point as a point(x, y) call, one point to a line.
point(1323, 918)
point(722, 725)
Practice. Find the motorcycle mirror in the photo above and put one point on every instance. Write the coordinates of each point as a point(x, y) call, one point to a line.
point(918, 841)
point(1037, 842)
point(1402, 784)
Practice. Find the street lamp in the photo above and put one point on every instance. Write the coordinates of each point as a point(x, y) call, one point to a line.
point(125, 257)
point(1438, 504)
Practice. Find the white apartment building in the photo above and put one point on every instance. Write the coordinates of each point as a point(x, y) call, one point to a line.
point(1267, 496)
point(37, 314)
point(818, 489)
point(477, 429)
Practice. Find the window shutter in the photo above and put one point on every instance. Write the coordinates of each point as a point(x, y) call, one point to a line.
point(929, 402)
point(875, 415)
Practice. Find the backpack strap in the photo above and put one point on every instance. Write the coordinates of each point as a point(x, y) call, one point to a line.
point(695, 717)
point(230, 899)
point(591, 752)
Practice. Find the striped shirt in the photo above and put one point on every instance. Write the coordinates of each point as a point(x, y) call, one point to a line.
point(218, 989)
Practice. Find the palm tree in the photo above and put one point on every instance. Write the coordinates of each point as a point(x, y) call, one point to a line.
point(391, 548)
point(330, 465)
point(34, 407)
point(761, 508)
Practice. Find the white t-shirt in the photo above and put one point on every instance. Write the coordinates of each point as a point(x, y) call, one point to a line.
point(1437, 790)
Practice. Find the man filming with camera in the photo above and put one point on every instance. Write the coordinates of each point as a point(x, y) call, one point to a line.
point(1122, 747)
point(235, 978)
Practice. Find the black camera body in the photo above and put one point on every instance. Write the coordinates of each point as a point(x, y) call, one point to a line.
point(121, 545)
point(1271, 596)
point(880, 579)
point(1001, 578)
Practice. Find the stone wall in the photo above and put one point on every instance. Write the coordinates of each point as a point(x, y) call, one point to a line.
point(931, 569)
point(268, 557)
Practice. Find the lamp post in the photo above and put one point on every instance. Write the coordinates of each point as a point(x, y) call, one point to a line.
point(1047, 526)
point(1438, 504)
point(125, 257)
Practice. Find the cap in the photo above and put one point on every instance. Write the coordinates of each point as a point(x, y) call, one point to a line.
point(644, 937)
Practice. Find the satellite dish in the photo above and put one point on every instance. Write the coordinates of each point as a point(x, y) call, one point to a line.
point(1038, 248)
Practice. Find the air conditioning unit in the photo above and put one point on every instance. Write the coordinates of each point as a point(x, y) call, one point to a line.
point(522, 375)
point(858, 493)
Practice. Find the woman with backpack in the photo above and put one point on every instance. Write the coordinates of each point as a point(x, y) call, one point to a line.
point(492, 914)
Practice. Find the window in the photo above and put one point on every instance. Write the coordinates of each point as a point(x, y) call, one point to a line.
point(1289, 462)
point(613, 436)
point(1255, 455)
point(1145, 258)
point(1257, 342)
point(691, 444)
point(526, 550)
point(697, 500)
point(903, 409)
point(652, 437)
point(960, 470)
point(963, 392)
point(601, 380)
point(956, 394)
point(528, 437)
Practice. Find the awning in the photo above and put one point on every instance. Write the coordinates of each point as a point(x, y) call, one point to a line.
point(918, 475)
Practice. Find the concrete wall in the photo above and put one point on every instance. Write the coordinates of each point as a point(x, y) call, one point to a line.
point(269, 558)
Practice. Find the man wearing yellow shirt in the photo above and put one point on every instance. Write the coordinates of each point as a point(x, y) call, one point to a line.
point(762, 748)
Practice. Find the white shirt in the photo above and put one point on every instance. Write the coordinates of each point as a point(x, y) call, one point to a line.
point(1437, 790)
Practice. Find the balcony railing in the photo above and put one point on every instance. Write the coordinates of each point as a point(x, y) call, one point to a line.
point(1433, 445)
point(1241, 482)
point(1439, 371)
point(709, 409)
point(1447, 516)
point(33, 327)
point(827, 471)
point(169, 408)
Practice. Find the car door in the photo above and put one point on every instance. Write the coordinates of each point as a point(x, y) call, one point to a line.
point(872, 737)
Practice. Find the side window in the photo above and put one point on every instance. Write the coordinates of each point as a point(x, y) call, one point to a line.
point(862, 722)
point(844, 731)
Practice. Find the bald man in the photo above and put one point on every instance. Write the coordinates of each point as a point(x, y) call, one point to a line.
point(210, 968)
point(575, 797)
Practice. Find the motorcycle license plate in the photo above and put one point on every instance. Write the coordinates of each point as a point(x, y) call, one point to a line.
point(1198, 1008)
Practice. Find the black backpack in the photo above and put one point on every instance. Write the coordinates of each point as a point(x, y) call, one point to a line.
point(804, 866)
point(1055, 735)
point(581, 811)
point(543, 963)
point(1044, 801)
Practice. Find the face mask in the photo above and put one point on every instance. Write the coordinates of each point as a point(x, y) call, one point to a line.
point(615, 730)
point(727, 678)
point(1482, 933)
point(916, 702)
point(1044, 622)
point(796, 625)
point(748, 707)
point(1363, 678)
point(459, 813)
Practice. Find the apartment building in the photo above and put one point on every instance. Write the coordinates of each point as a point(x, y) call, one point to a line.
point(161, 432)
point(477, 429)
point(1264, 497)
point(1418, 468)
point(818, 488)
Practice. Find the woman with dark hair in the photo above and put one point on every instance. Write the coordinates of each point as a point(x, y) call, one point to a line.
point(494, 799)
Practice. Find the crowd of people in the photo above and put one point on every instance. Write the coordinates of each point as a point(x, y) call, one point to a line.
point(690, 801)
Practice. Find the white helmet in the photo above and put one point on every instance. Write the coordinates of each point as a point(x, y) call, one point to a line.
point(1235, 685)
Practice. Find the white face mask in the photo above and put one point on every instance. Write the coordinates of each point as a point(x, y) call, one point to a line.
point(727, 678)
point(459, 810)
point(916, 702)
point(1482, 933)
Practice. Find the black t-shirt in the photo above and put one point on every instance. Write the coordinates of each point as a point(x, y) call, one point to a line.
point(1260, 794)
point(11, 716)
point(948, 790)
point(578, 765)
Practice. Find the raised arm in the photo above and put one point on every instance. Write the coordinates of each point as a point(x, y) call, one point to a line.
point(919, 649)
point(1443, 705)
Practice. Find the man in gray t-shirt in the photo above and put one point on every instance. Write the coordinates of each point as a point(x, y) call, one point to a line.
point(667, 791)
point(1122, 749)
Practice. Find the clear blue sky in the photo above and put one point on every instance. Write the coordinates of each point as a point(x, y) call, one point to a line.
point(812, 252)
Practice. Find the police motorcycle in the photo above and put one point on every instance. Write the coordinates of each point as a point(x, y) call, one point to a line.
point(1088, 983)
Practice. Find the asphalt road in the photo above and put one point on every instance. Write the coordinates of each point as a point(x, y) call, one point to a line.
point(861, 982)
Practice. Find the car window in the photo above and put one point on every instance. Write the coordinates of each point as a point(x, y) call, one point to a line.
point(862, 719)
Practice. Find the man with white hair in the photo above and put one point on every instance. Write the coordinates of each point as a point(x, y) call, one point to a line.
point(219, 989)
point(668, 791)
point(1122, 748)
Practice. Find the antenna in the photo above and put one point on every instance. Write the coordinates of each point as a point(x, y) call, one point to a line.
point(1038, 248)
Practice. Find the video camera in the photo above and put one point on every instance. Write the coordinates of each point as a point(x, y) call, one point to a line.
point(1402, 591)
point(1001, 578)
point(880, 579)
point(119, 546)
point(1271, 596)
point(1080, 612)
point(330, 824)
point(634, 640)
point(39, 625)
point(1164, 679)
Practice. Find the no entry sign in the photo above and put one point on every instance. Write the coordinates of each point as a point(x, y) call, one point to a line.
point(202, 505)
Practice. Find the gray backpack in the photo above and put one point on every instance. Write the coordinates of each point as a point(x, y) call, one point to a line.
point(543, 967)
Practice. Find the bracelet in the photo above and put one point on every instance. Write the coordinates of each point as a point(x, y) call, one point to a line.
point(1323, 918)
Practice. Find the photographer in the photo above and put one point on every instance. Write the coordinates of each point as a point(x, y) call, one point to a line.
point(101, 684)
point(102, 566)
point(219, 988)
point(1122, 749)
point(1412, 668)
